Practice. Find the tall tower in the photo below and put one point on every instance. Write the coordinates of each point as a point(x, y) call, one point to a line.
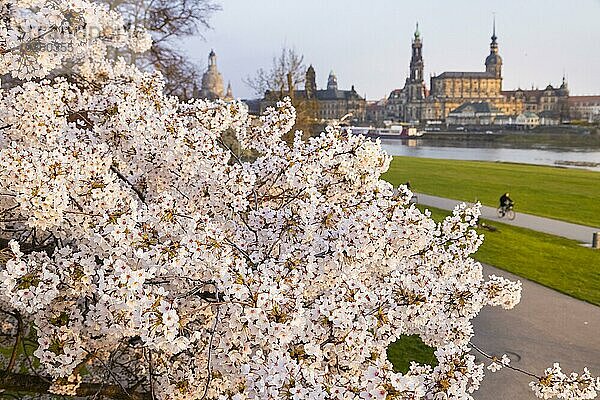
point(563, 100)
point(414, 88)
point(229, 93)
point(493, 62)
point(415, 85)
point(332, 81)
point(310, 84)
point(416, 61)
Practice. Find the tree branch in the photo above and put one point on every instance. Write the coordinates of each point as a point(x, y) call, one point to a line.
point(124, 179)
point(22, 383)
point(13, 355)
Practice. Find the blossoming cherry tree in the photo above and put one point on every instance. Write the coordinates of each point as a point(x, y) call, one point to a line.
point(142, 259)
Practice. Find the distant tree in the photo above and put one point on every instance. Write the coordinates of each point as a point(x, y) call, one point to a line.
point(167, 21)
point(286, 75)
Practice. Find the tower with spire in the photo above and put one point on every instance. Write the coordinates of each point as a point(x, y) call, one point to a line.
point(229, 93)
point(310, 83)
point(414, 88)
point(493, 62)
point(415, 84)
point(416, 61)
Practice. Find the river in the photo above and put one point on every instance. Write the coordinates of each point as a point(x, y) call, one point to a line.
point(424, 149)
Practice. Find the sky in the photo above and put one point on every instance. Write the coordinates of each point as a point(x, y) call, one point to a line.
point(368, 43)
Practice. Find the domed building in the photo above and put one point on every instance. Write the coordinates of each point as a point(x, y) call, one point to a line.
point(212, 80)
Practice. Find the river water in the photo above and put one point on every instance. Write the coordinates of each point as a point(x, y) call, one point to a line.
point(554, 157)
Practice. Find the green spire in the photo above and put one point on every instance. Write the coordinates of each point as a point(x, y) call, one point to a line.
point(417, 33)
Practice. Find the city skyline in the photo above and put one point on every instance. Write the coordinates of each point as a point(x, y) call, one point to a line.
point(369, 47)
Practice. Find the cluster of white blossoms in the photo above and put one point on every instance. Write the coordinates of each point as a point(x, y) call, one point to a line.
point(151, 261)
point(555, 383)
point(497, 364)
point(40, 36)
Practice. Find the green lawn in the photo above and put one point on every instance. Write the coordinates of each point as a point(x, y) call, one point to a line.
point(567, 194)
point(557, 263)
point(407, 349)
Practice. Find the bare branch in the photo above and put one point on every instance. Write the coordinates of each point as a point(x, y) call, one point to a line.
point(490, 357)
point(210, 344)
point(168, 21)
point(31, 384)
point(124, 179)
point(287, 73)
point(13, 355)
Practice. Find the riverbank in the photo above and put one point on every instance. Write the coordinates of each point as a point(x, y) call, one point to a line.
point(566, 194)
point(556, 138)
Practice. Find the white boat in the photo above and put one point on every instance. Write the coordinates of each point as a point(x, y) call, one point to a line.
point(396, 131)
point(393, 132)
point(358, 130)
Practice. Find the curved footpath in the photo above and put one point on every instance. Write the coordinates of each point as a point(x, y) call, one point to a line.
point(568, 230)
point(545, 327)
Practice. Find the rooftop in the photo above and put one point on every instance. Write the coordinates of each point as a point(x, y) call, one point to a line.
point(480, 107)
point(476, 74)
point(328, 94)
point(584, 99)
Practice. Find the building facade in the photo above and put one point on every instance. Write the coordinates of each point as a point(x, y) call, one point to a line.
point(450, 90)
point(376, 111)
point(474, 113)
point(585, 108)
point(550, 102)
point(325, 105)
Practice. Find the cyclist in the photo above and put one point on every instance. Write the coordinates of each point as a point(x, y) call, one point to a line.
point(506, 202)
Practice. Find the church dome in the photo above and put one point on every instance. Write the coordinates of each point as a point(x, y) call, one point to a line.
point(212, 80)
point(212, 84)
point(493, 58)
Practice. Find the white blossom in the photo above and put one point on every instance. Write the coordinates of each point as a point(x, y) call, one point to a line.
point(138, 241)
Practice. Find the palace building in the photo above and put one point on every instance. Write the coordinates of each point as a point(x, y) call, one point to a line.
point(327, 104)
point(449, 91)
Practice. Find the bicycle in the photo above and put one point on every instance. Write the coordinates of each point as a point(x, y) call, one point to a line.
point(506, 211)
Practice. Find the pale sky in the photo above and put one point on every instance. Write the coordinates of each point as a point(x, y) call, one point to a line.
point(367, 43)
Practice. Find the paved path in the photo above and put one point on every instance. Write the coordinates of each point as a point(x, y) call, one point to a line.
point(545, 327)
point(580, 233)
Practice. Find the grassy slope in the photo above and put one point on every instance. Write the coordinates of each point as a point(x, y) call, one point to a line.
point(552, 261)
point(566, 194)
point(558, 263)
